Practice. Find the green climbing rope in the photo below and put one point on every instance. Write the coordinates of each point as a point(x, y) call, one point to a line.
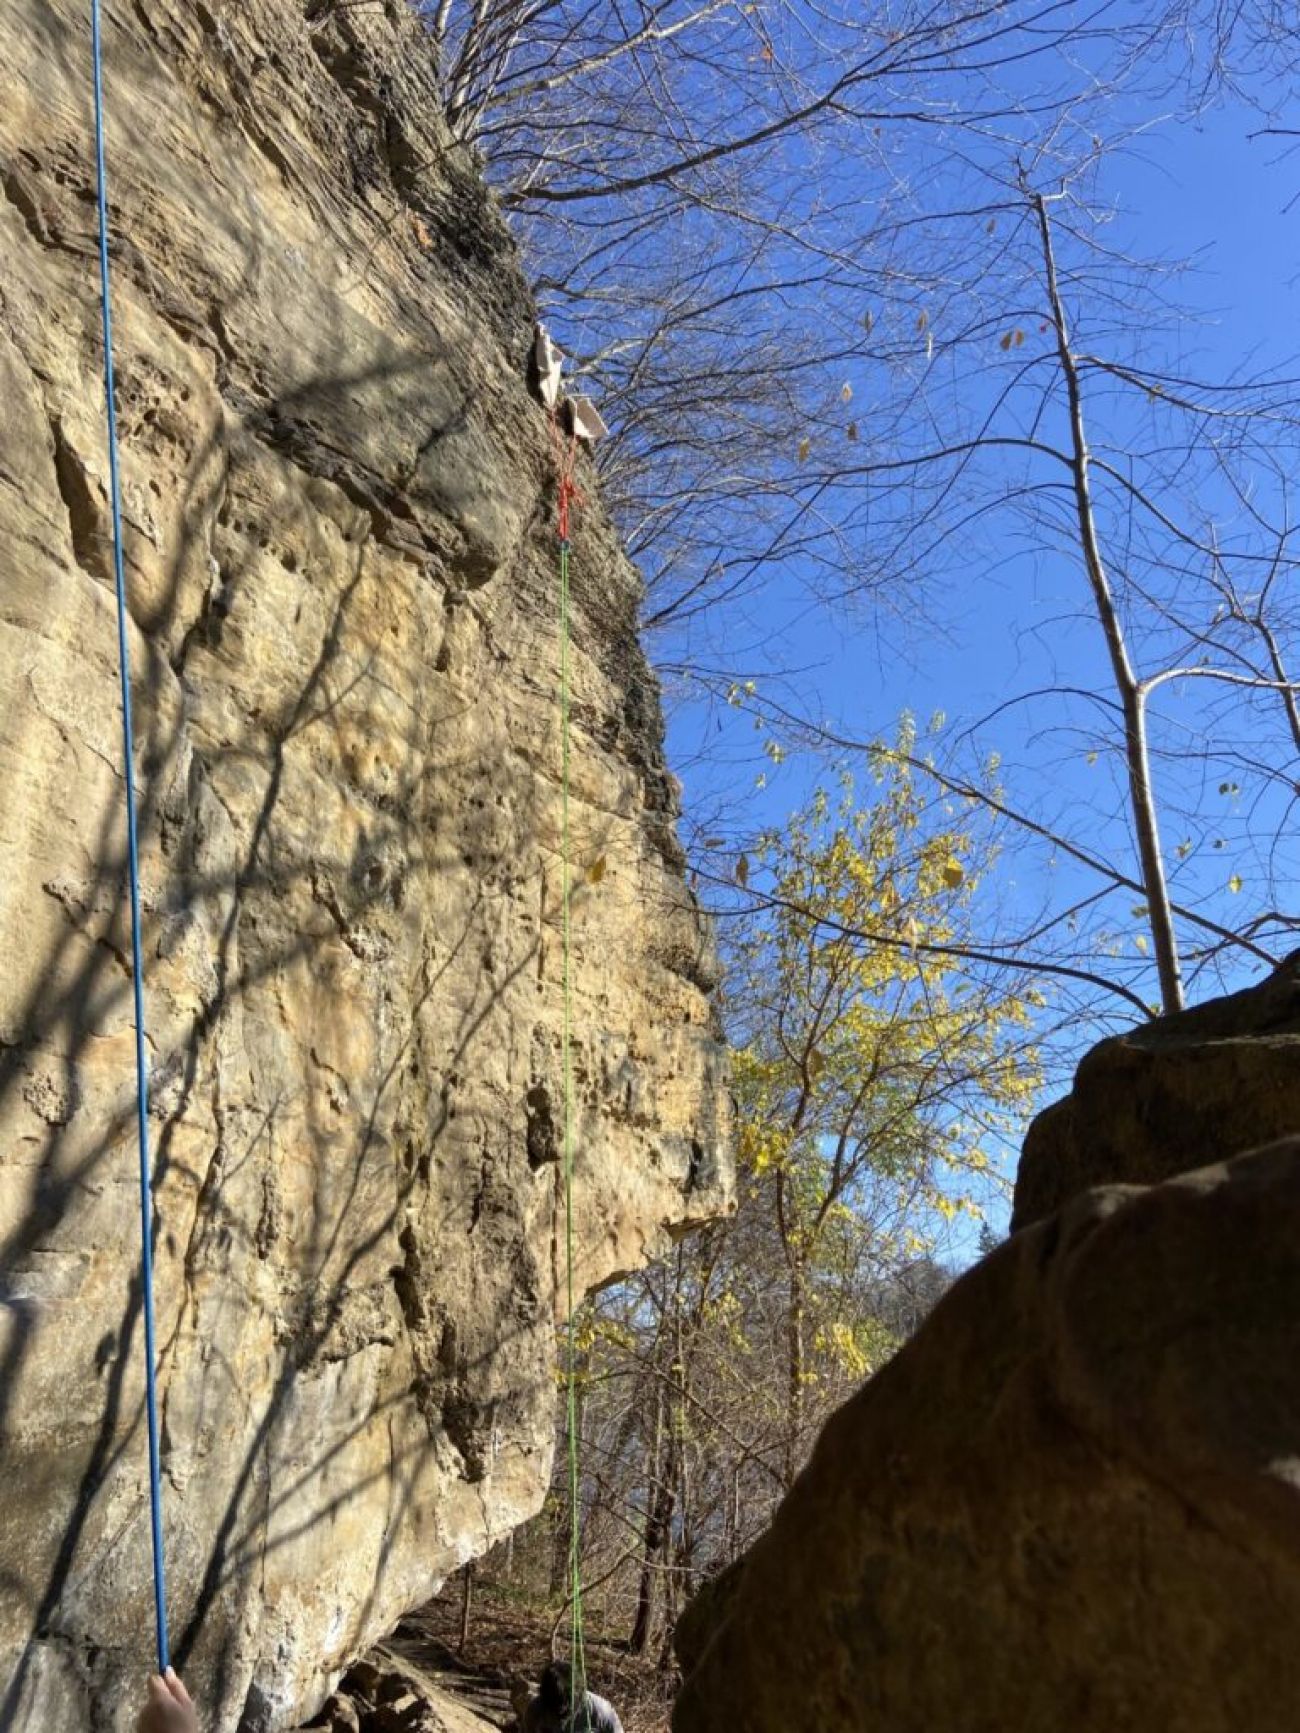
point(577, 1646)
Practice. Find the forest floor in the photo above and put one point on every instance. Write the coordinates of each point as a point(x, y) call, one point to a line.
point(421, 1675)
point(509, 1639)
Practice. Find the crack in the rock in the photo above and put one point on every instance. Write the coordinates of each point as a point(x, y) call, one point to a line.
point(24, 201)
point(81, 506)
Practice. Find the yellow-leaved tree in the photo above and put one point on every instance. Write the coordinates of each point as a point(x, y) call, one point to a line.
point(882, 1068)
point(880, 1072)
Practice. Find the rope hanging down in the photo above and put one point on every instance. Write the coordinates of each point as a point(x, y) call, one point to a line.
point(584, 426)
point(133, 859)
point(569, 496)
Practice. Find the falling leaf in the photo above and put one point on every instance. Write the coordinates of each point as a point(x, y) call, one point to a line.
point(1141, 942)
point(851, 431)
point(805, 446)
point(1092, 758)
point(596, 871)
point(1140, 911)
point(1218, 842)
point(1020, 337)
point(1229, 788)
point(742, 871)
point(922, 320)
point(1184, 848)
point(868, 320)
point(990, 225)
point(953, 874)
point(929, 346)
point(1235, 883)
point(1005, 343)
point(846, 392)
point(715, 842)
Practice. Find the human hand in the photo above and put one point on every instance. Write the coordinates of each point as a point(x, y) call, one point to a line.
point(168, 1708)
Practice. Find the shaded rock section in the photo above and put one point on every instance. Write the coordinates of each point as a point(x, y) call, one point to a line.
point(389, 1691)
point(1201, 1086)
point(1071, 1502)
point(340, 508)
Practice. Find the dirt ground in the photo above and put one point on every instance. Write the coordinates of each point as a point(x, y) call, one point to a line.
point(506, 1640)
point(422, 1676)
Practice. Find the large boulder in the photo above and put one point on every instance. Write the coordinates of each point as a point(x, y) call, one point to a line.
point(1173, 1094)
point(1071, 1502)
point(341, 551)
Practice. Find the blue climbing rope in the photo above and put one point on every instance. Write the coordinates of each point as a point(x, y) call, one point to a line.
point(133, 862)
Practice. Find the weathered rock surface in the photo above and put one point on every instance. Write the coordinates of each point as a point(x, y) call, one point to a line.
point(340, 504)
point(1175, 1094)
point(1072, 1501)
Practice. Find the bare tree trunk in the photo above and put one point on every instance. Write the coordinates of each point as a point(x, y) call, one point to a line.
point(560, 1543)
point(466, 1605)
point(1286, 686)
point(658, 1526)
point(672, 1606)
point(1142, 800)
point(795, 1368)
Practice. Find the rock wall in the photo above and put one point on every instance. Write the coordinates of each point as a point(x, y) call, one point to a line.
point(340, 504)
point(1173, 1094)
point(1073, 1500)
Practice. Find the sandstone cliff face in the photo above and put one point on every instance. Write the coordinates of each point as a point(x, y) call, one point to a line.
point(340, 505)
point(1073, 1500)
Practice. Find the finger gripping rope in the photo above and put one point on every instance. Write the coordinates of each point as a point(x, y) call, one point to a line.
point(133, 859)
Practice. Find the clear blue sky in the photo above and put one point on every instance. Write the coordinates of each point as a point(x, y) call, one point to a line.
point(1204, 191)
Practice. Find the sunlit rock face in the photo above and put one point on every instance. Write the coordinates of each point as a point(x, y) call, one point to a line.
point(340, 504)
